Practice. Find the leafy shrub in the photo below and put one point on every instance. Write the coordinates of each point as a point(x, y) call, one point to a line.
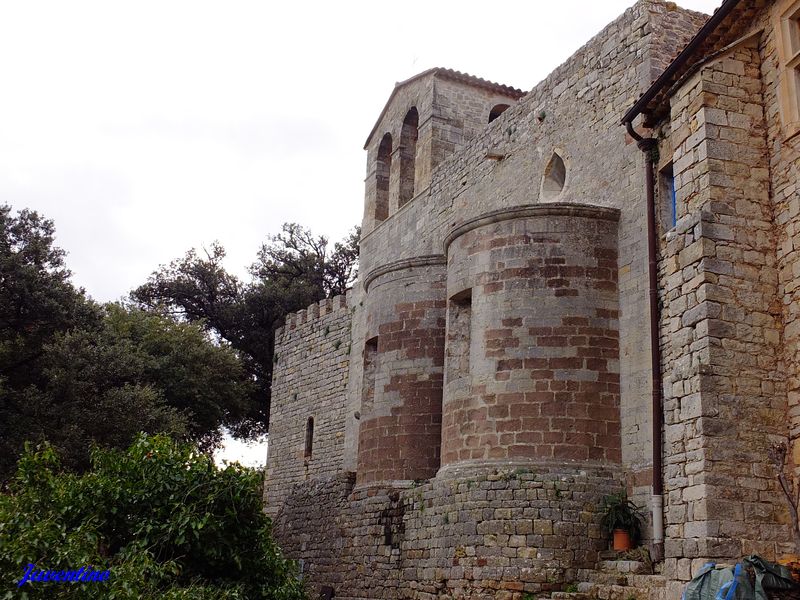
point(159, 516)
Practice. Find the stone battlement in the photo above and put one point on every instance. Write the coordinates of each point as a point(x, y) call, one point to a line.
point(313, 312)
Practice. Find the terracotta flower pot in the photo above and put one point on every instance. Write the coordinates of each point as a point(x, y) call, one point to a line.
point(792, 561)
point(622, 540)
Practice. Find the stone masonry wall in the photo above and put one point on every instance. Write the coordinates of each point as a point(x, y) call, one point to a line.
point(401, 393)
point(450, 114)
point(575, 110)
point(312, 354)
point(725, 401)
point(498, 535)
point(784, 169)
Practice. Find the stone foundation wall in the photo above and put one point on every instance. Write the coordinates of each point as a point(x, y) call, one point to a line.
point(499, 535)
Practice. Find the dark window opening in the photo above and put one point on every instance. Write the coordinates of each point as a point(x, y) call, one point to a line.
point(408, 155)
point(370, 368)
point(382, 173)
point(459, 325)
point(497, 111)
point(669, 199)
point(309, 438)
point(555, 176)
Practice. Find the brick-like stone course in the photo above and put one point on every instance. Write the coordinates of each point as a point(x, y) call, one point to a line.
point(401, 415)
point(543, 363)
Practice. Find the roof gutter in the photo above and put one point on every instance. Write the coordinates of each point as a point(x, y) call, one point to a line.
point(649, 147)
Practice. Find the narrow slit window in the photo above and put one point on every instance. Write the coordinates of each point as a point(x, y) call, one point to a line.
point(459, 325)
point(370, 368)
point(309, 450)
point(554, 178)
point(669, 202)
point(497, 111)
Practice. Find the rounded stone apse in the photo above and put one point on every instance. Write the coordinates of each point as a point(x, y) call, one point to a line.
point(532, 339)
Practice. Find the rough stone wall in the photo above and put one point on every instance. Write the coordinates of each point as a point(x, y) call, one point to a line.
point(460, 113)
point(784, 169)
point(415, 94)
point(496, 535)
point(450, 114)
point(725, 401)
point(312, 354)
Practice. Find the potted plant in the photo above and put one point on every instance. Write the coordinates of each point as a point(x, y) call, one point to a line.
point(622, 518)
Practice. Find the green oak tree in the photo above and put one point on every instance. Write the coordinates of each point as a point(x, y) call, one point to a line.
point(293, 270)
point(76, 372)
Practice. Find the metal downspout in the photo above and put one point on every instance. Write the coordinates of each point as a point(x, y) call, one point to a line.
point(648, 146)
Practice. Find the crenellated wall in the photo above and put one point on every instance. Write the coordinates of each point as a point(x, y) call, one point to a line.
point(310, 377)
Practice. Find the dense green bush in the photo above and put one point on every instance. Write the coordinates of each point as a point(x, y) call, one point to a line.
point(160, 517)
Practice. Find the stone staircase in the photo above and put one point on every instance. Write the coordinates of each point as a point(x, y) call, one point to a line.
point(617, 580)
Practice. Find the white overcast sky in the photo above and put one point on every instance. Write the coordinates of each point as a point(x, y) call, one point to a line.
point(148, 128)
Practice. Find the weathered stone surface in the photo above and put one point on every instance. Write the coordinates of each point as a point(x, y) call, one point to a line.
point(498, 353)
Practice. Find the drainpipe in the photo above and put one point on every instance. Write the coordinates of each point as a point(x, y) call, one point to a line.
point(648, 146)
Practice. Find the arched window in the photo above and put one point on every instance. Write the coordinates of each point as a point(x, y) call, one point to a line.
point(309, 438)
point(555, 175)
point(382, 170)
point(408, 155)
point(497, 111)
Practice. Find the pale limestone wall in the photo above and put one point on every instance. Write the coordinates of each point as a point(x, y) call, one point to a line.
point(784, 168)
point(451, 112)
point(461, 113)
point(310, 377)
point(724, 370)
